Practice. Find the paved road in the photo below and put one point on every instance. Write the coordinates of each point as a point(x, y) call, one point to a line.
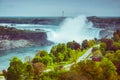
point(67, 67)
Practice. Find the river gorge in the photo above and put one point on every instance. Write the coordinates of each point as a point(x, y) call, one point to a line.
point(43, 34)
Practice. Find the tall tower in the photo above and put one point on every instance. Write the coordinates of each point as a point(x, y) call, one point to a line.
point(62, 13)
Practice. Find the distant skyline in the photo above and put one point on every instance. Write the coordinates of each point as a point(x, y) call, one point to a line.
point(56, 7)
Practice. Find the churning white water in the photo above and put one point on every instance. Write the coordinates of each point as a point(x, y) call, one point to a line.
point(77, 29)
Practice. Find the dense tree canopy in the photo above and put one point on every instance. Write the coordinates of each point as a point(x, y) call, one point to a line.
point(102, 64)
point(15, 69)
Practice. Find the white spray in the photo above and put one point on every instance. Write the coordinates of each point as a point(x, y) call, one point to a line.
point(77, 29)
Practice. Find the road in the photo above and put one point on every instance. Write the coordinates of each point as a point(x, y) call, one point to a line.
point(67, 67)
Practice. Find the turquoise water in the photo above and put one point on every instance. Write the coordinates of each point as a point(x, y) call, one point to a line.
point(71, 29)
point(6, 55)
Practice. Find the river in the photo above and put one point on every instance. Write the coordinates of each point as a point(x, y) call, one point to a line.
point(76, 29)
point(6, 55)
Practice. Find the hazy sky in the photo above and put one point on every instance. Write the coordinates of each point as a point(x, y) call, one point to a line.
point(55, 7)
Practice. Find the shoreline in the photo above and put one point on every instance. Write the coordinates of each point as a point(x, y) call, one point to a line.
point(11, 44)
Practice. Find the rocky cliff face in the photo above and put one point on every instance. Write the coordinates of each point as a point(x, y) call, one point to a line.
point(106, 33)
point(108, 25)
point(105, 22)
point(35, 37)
point(14, 38)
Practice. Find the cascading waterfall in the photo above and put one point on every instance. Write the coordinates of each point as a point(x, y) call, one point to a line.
point(77, 29)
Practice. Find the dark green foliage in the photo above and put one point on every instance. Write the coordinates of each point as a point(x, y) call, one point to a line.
point(42, 53)
point(103, 47)
point(108, 42)
point(89, 70)
point(94, 49)
point(85, 44)
point(15, 69)
point(116, 36)
point(116, 46)
point(28, 72)
point(37, 59)
point(91, 43)
point(63, 52)
point(59, 52)
point(53, 75)
point(47, 60)
point(115, 58)
point(104, 70)
point(111, 44)
point(43, 57)
point(73, 45)
point(107, 68)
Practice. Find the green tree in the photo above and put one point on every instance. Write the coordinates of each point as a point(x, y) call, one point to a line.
point(103, 47)
point(91, 70)
point(109, 70)
point(60, 57)
point(115, 58)
point(110, 56)
point(42, 53)
point(116, 46)
point(91, 43)
point(47, 60)
point(116, 36)
point(28, 72)
point(15, 70)
point(73, 45)
point(85, 44)
point(59, 52)
point(37, 59)
point(108, 42)
point(97, 55)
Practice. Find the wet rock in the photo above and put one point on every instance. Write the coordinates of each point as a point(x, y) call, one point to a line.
point(106, 33)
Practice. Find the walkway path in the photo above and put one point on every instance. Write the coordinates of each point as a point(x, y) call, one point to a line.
point(80, 58)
